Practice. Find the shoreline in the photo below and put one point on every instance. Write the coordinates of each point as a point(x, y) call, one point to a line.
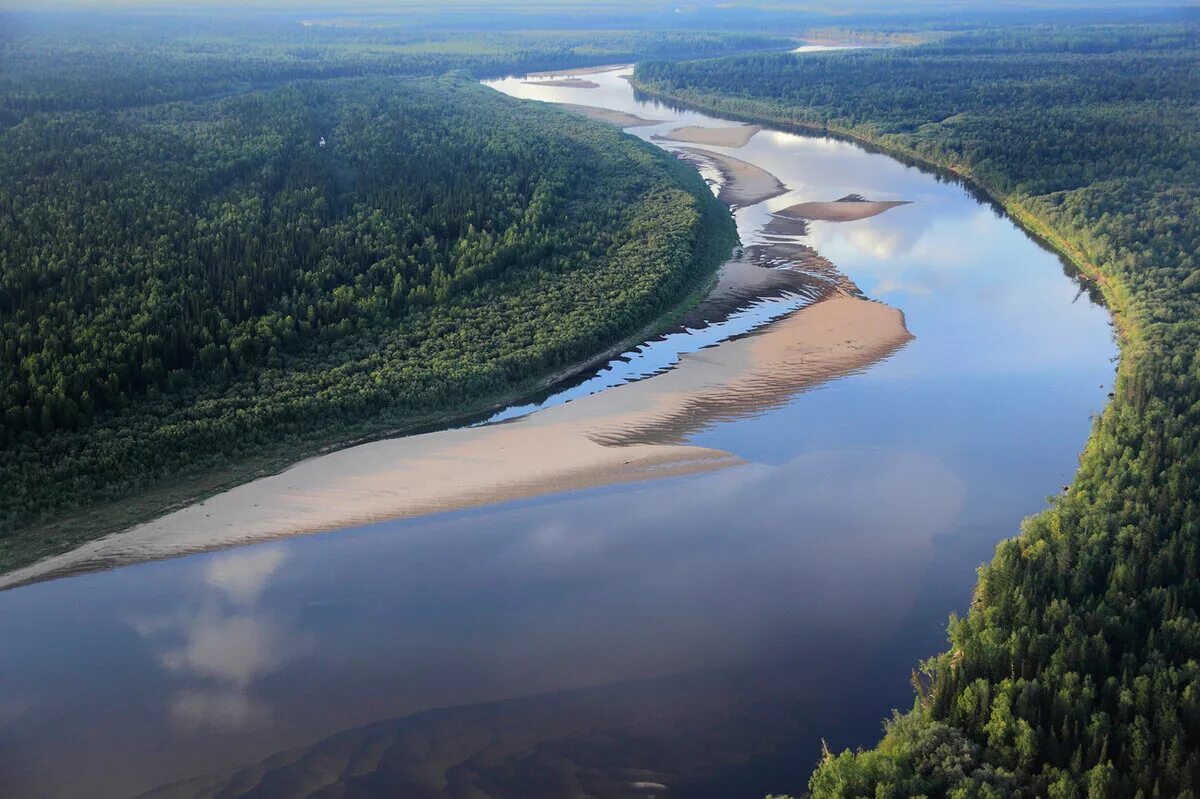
point(46, 538)
point(634, 432)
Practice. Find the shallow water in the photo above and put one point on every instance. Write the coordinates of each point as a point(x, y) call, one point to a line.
point(700, 633)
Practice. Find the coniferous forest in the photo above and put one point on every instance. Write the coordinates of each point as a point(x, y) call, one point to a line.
point(1076, 672)
point(289, 258)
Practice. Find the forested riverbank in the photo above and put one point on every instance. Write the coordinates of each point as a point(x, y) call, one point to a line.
point(1076, 671)
point(197, 290)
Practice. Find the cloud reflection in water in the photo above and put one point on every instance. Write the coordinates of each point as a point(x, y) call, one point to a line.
point(224, 642)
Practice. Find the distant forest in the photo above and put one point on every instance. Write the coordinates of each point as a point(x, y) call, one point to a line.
point(214, 259)
point(1076, 672)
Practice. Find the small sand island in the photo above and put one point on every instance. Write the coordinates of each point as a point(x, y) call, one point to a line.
point(568, 83)
point(619, 118)
point(635, 432)
point(850, 208)
point(742, 183)
point(736, 136)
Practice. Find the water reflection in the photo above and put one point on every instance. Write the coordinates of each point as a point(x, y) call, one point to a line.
point(219, 645)
point(587, 628)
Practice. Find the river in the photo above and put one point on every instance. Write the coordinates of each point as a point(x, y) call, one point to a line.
point(761, 523)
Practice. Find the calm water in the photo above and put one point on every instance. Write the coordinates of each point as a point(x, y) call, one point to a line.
point(691, 637)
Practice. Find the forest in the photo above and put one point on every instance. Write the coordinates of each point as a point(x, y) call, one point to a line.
point(305, 260)
point(1076, 671)
point(71, 63)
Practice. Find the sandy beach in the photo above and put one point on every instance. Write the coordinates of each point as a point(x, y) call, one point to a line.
point(736, 136)
point(742, 183)
point(619, 118)
point(567, 83)
point(631, 433)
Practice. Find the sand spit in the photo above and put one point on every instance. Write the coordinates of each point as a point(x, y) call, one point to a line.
point(567, 83)
point(631, 433)
point(743, 378)
point(558, 73)
point(619, 118)
point(743, 183)
point(714, 137)
point(844, 210)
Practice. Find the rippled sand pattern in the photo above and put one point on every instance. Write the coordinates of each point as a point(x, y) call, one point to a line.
point(742, 183)
point(492, 749)
point(764, 370)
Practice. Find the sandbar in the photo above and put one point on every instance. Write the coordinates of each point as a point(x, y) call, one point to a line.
point(736, 136)
point(619, 118)
point(742, 183)
point(556, 73)
point(839, 210)
point(634, 432)
point(569, 83)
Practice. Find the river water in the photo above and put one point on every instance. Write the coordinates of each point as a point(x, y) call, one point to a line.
point(690, 636)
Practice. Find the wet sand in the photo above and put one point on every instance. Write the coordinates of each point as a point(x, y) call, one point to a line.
point(839, 210)
point(627, 434)
point(716, 137)
point(742, 183)
point(619, 118)
point(566, 83)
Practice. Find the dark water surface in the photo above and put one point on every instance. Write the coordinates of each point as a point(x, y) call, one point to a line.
point(689, 637)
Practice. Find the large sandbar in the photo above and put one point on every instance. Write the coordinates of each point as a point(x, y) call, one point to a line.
point(610, 116)
point(839, 210)
point(735, 136)
point(567, 83)
point(557, 73)
point(742, 183)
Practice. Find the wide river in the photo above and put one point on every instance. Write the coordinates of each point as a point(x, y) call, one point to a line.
point(741, 553)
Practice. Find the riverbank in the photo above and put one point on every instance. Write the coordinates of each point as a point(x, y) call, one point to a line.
point(631, 433)
point(59, 535)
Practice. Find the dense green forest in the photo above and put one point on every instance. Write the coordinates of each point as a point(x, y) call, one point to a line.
point(1077, 669)
point(52, 63)
point(188, 283)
